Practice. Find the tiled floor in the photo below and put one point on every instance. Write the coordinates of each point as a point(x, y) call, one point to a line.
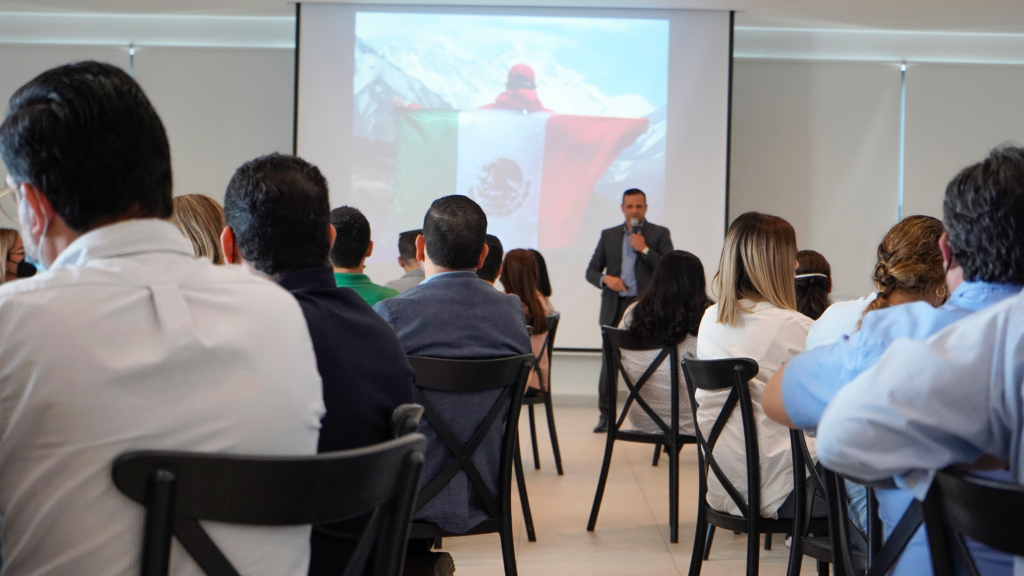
point(632, 535)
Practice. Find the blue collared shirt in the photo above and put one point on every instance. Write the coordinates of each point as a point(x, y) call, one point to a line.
point(629, 262)
point(814, 378)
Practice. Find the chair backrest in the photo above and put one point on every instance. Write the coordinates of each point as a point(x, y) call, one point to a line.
point(960, 505)
point(468, 376)
point(615, 341)
point(548, 349)
point(178, 489)
point(405, 419)
point(732, 374)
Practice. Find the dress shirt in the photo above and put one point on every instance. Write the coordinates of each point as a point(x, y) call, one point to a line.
point(837, 321)
point(367, 290)
point(770, 336)
point(131, 343)
point(410, 279)
point(629, 262)
point(813, 378)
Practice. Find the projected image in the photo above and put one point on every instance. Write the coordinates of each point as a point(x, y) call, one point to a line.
point(543, 121)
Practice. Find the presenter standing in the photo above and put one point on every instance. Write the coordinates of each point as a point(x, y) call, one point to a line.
point(621, 267)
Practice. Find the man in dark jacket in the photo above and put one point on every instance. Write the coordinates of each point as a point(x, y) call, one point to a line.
point(621, 267)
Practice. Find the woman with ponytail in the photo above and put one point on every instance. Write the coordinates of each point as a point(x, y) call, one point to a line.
point(813, 283)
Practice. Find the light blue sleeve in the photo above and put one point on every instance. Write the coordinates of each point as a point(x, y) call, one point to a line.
point(382, 309)
point(813, 378)
point(927, 405)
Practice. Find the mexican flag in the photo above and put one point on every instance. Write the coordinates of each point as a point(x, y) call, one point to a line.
point(531, 173)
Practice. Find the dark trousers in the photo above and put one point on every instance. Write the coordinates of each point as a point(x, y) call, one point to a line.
point(605, 393)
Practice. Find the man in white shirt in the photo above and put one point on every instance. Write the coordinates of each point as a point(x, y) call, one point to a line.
point(128, 342)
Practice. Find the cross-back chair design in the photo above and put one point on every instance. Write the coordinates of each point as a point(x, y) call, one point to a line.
point(734, 374)
point(178, 489)
point(615, 341)
point(959, 505)
point(543, 396)
point(508, 375)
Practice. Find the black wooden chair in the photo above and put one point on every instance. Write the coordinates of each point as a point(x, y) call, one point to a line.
point(959, 505)
point(615, 341)
point(178, 489)
point(507, 375)
point(543, 396)
point(735, 374)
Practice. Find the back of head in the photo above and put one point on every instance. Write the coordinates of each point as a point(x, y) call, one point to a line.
point(757, 263)
point(492, 263)
point(519, 276)
point(454, 230)
point(407, 245)
point(543, 280)
point(674, 302)
point(201, 219)
point(983, 212)
point(279, 209)
point(353, 239)
point(813, 283)
point(909, 261)
point(86, 135)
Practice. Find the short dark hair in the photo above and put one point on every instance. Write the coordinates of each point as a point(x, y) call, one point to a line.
point(353, 237)
point(492, 263)
point(633, 192)
point(983, 212)
point(278, 207)
point(407, 244)
point(454, 230)
point(86, 135)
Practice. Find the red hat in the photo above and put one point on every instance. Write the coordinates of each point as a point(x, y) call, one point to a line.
point(521, 71)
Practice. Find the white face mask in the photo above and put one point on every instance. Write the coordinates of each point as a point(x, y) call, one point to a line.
point(37, 258)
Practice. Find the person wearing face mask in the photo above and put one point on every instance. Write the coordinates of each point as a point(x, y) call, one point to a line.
point(12, 251)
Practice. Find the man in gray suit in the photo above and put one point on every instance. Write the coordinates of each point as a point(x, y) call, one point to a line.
point(621, 267)
point(454, 314)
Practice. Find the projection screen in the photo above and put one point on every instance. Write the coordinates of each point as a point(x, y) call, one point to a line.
point(543, 116)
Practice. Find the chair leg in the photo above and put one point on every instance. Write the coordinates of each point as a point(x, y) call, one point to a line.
point(796, 557)
point(517, 461)
point(700, 539)
point(710, 539)
point(768, 541)
point(673, 496)
point(603, 479)
point(753, 552)
point(822, 568)
point(533, 438)
point(550, 409)
point(657, 454)
point(508, 548)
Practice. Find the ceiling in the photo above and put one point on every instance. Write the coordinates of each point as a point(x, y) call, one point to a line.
point(975, 16)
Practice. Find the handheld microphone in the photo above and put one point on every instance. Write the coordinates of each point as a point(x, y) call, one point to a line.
point(635, 224)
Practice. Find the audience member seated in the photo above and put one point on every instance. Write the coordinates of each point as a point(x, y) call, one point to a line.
point(279, 225)
point(519, 276)
point(755, 317)
point(980, 253)
point(128, 342)
point(349, 252)
point(452, 314)
point(543, 280)
point(407, 260)
point(813, 284)
point(12, 253)
point(201, 219)
point(669, 311)
point(490, 270)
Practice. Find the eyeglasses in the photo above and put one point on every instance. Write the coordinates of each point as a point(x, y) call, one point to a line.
point(6, 191)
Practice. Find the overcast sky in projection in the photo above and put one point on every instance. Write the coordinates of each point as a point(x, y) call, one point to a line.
point(618, 56)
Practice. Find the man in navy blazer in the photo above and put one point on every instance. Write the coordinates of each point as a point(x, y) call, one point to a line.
point(454, 314)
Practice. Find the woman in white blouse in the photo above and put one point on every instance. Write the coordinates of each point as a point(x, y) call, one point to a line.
point(519, 276)
point(669, 311)
point(755, 318)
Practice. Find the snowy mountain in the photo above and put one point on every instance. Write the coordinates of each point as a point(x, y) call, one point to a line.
point(642, 165)
point(376, 82)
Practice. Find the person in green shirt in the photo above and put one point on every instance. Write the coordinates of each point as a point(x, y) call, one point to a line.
point(348, 255)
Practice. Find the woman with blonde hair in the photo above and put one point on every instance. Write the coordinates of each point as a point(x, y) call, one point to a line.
point(201, 219)
point(12, 253)
point(755, 317)
point(520, 276)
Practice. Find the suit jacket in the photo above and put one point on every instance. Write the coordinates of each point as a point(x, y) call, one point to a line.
point(457, 315)
point(365, 376)
point(607, 260)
